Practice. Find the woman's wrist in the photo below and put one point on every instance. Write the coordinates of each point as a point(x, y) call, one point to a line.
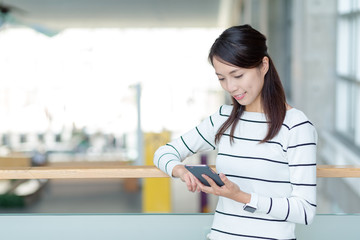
point(243, 197)
point(178, 170)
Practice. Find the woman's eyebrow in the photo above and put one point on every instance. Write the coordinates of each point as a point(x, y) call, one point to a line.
point(233, 71)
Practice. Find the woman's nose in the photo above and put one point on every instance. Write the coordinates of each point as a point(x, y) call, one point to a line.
point(231, 85)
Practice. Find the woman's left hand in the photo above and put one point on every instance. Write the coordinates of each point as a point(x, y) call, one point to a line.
point(228, 190)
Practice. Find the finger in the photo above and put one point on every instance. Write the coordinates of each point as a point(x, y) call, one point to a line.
point(193, 183)
point(223, 178)
point(214, 188)
point(201, 186)
point(198, 183)
point(188, 182)
point(210, 181)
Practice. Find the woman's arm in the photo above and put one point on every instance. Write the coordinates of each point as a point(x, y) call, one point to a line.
point(300, 206)
point(169, 157)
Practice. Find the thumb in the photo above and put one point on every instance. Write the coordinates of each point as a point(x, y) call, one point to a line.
point(224, 178)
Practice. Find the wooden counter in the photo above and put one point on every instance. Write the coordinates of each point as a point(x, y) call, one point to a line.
point(119, 170)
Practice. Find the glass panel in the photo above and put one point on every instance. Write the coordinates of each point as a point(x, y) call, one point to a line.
point(343, 47)
point(353, 46)
point(70, 196)
point(352, 106)
point(357, 43)
point(347, 195)
point(357, 120)
point(154, 226)
point(344, 6)
point(342, 106)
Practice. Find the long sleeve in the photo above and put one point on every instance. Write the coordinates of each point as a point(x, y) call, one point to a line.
point(300, 206)
point(199, 139)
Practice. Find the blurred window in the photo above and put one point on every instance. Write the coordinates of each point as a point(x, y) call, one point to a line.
point(348, 71)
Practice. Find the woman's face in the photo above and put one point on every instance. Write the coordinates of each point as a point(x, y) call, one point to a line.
point(243, 84)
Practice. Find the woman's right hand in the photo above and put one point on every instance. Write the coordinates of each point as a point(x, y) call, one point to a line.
point(191, 181)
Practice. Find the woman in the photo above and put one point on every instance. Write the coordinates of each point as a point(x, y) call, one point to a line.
point(266, 149)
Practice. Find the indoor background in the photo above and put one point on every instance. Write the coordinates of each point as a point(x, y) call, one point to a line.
point(84, 81)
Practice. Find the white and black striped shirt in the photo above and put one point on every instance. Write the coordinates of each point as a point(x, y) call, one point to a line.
point(282, 172)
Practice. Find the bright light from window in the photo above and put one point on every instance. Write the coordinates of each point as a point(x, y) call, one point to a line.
point(83, 77)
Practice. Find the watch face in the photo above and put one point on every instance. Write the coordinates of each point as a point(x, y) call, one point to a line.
point(249, 208)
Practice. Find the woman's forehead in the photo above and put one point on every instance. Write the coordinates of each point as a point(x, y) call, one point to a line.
point(219, 63)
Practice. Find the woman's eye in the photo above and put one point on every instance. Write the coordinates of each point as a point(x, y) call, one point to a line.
point(239, 76)
point(220, 79)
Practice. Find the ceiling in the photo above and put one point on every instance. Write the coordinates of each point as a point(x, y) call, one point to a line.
point(61, 14)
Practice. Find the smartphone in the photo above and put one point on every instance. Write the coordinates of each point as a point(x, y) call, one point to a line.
point(198, 170)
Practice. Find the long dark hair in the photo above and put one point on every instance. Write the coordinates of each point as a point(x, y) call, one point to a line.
point(245, 47)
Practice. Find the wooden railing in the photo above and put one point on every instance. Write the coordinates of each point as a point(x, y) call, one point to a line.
point(119, 170)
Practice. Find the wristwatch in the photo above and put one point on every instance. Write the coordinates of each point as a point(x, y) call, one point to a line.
point(252, 205)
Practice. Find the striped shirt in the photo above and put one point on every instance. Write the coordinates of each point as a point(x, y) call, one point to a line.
point(282, 172)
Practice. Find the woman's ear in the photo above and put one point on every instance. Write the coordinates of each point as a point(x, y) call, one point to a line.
point(265, 65)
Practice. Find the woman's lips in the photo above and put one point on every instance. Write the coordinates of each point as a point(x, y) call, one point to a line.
point(240, 96)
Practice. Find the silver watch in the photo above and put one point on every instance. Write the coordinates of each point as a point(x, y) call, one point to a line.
point(252, 205)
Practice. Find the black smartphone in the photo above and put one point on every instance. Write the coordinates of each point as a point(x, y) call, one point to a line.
point(198, 170)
